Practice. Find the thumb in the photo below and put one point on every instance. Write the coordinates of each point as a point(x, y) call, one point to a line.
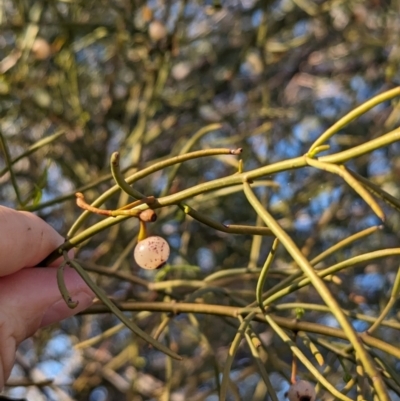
point(30, 299)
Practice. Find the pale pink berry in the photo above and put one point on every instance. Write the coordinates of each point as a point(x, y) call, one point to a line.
point(151, 253)
point(301, 391)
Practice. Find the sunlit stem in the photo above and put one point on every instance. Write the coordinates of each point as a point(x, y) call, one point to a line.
point(298, 162)
point(231, 355)
point(116, 311)
point(357, 112)
point(377, 190)
point(393, 298)
point(240, 167)
point(322, 289)
point(142, 231)
point(294, 365)
point(254, 344)
point(119, 179)
point(312, 347)
point(341, 171)
point(312, 153)
point(264, 273)
point(303, 359)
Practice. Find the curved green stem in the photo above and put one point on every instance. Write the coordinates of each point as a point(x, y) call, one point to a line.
point(209, 186)
point(345, 242)
point(357, 112)
point(264, 273)
point(260, 365)
point(147, 171)
point(33, 148)
point(323, 291)
point(357, 151)
point(234, 311)
point(185, 149)
point(284, 284)
point(231, 355)
point(377, 190)
point(341, 171)
point(274, 294)
point(114, 309)
point(392, 300)
point(63, 288)
point(7, 158)
point(304, 360)
point(231, 228)
point(119, 179)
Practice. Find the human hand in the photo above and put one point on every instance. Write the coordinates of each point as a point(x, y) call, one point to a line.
point(29, 297)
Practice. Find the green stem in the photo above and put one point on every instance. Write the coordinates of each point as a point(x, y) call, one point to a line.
point(260, 365)
point(231, 356)
point(119, 179)
point(360, 150)
point(208, 186)
point(304, 360)
point(312, 347)
point(63, 288)
point(323, 291)
point(264, 274)
point(231, 228)
point(142, 231)
point(8, 161)
point(146, 172)
point(274, 294)
point(185, 149)
point(283, 284)
point(357, 112)
point(117, 312)
point(382, 316)
point(234, 311)
point(392, 373)
point(341, 171)
point(71, 195)
point(377, 190)
point(392, 300)
point(323, 308)
point(33, 148)
point(106, 334)
point(345, 242)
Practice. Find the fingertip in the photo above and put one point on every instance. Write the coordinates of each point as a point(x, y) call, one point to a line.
point(30, 298)
point(28, 240)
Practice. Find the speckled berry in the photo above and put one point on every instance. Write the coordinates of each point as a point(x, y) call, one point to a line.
point(151, 253)
point(301, 391)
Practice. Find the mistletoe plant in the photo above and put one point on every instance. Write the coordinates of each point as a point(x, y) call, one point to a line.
point(365, 354)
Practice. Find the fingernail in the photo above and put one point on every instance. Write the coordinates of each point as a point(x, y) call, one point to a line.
point(60, 310)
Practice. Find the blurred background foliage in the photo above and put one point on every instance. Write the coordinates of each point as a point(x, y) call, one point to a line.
point(82, 79)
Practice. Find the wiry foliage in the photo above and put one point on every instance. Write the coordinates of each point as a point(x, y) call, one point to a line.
point(158, 80)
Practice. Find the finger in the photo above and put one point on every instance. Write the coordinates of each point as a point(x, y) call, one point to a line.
point(30, 299)
point(25, 240)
